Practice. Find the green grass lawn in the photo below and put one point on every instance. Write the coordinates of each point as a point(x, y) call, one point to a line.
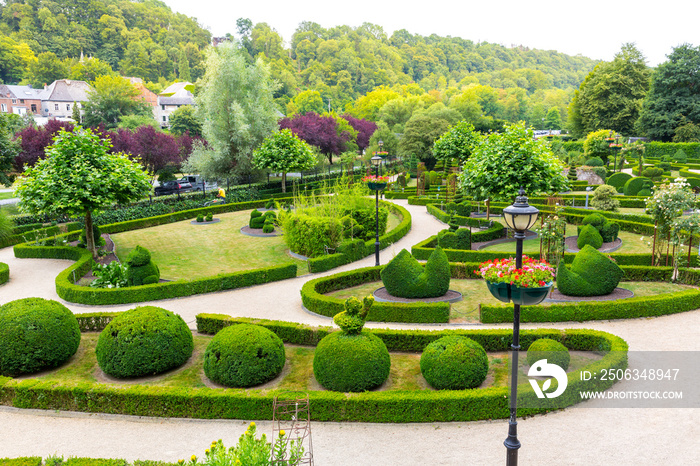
point(474, 292)
point(4, 195)
point(297, 375)
point(185, 251)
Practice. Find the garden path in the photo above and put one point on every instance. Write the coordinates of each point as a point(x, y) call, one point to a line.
point(580, 435)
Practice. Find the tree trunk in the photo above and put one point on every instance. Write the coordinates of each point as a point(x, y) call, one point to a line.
point(284, 182)
point(89, 238)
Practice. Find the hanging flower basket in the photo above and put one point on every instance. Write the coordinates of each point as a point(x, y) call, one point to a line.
point(526, 286)
point(376, 186)
point(376, 183)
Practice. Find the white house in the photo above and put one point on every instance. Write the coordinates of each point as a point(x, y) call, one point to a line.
point(58, 98)
point(173, 97)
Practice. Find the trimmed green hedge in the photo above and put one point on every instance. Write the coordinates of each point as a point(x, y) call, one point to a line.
point(372, 406)
point(359, 249)
point(67, 290)
point(4, 273)
point(314, 299)
point(37, 234)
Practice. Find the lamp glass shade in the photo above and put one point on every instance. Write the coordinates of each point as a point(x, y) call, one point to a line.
point(520, 216)
point(376, 160)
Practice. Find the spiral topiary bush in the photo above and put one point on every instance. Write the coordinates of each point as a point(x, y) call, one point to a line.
point(36, 334)
point(551, 350)
point(454, 363)
point(244, 355)
point(351, 363)
point(146, 340)
point(591, 274)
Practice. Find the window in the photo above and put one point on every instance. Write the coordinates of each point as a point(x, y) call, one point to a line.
point(55, 106)
point(3, 108)
point(14, 101)
point(162, 107)
point(21, 101)
point(67, 106)
point(33, 108)
point(165, 119)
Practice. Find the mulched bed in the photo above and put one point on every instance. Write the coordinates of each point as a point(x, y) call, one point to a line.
point(103, 260)
point(618, 293)
point(571, 246)
point(246, 230)
point(381, 295)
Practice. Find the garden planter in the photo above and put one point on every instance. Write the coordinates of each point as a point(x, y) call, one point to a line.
point(376, 186)
point(524, 296)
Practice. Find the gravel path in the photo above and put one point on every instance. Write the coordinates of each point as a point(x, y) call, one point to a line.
point(582, 435)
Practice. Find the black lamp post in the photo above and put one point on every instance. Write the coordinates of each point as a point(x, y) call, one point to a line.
point(520, 217)
point(381, 146)
point(376, 160)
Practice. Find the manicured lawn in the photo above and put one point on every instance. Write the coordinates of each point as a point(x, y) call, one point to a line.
point(405, 371)
point(4, 195)
point(475, 293)
point(184, 251)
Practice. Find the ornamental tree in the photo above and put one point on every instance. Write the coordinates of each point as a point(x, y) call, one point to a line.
point(79, 177)
point(319, 131)
point(9, 149)
point(282, 152)
point(504, 162)
point(457, 143)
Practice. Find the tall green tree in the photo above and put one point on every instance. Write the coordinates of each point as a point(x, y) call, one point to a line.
point(504, 162)
point(236, 104)
point(183, 67)
point(9, 149)
point(80, 177)
point(673, 99)
point(185, 119)
point(47, 69)
point(457, 143)
point(283, 151)
point(113, 97)
point(611, 96)
point(420, 134)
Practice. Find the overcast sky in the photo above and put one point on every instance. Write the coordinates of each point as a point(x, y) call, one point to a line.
point(593, 28)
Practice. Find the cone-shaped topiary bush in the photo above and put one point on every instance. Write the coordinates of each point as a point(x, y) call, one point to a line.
point(454, 363)
point(404, 277)
point(351, 360)
point(551, 350)
point(36, 334)
point(244, 355)
point(589, 235)
point(591, 274)
point(140, 269)
point(608, 230)
point(146, 340)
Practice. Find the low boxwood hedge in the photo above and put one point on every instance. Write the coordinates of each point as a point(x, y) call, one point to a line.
point(4, 272)
point(66, 288)
point(314, 299)
point(383, 406)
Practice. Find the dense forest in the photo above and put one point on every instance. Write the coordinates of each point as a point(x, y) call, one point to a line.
point(43, 39)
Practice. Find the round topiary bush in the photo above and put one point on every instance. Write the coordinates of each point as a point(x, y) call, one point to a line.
point(454, 363)
point(351, 363)
point(244, 355)
point(618, 181)
point(634, 185)
point(36, 334)
point(551, 350)
point(589, 235)
point(146, 340)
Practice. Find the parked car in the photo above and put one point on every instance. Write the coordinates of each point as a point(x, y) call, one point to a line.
point(198, 183)
point(172, 187)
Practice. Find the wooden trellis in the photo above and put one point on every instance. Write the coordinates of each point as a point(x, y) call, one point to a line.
point(293, 417)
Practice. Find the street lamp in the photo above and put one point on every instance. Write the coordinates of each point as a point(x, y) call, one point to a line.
point(520, 217)
point(376, 160)
point(381, 146)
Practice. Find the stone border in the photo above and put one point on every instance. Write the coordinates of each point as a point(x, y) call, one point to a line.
point(555, 296)
point(569, 241)
point(214, 220)
point(383, 296)
point(258, 232)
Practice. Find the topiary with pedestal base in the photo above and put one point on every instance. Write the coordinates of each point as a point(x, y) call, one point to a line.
point(351, 360)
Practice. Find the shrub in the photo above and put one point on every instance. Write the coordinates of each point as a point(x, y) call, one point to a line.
point(589, 236)
point(602, 172)
point(257, 219)
point(404, 277)
point(351, 363)
point(604, 198)
point(209, 217)
point(591, 274)
point(653, 173)
point(200, 218)
point(460, 239)
point(551, 350)
point(268, 228)
point(680, 157)
point(644, 192)
point(243, 356)
point(144, 341)
point(595, 162)
point(140, 269)
point(634, 185)
point(454, 363)
point(36, 334)
point(665, 166)
point(307, 235)
point(4, 272)
point(618, 181)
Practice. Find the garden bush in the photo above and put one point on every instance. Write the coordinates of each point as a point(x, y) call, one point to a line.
point(653, 173)
point(140, 268)
point(595, 162)
point(680, 156)
point(608, 229)
point(591, 274)
point(604, 198)
point(244, 356)
point(454, 363)
point(36, 334)
point(4, 272)
point(634, 185)
point(143, 341)
point(257, 219)
point(644, 192)
point(404, 277)
point(200, 218)
point(460, 239)
point(551, 350)
point(307, 235)
point(589, 235)
point(618, 181)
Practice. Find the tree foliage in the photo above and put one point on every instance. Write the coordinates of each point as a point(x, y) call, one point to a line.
point(420, 134)
point(673, 99)
point(283, 151)
point(319, 131)
point(504, 162)
point(9, 148)
point(33, 142)
point(113, 97)
point(235, 102)
point(79, 177)
point(184, 119)
point(457, 143)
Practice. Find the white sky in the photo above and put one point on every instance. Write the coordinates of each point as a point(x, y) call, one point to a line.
point(594, 28)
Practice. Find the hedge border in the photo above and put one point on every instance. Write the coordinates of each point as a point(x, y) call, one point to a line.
point(68, 290)
point(359, 249)
point(4, 273)
point(38, 234)
point(380, 407)
point(314, 299)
